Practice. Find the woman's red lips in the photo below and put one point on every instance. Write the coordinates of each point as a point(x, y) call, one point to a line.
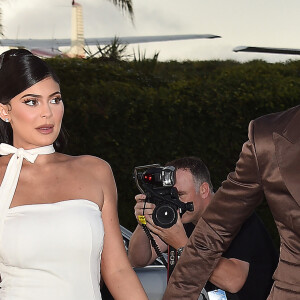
point(45, 128)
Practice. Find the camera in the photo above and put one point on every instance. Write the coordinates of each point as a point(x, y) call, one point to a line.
point(157, 183)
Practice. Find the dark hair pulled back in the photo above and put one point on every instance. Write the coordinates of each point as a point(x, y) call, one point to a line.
point(19, 70)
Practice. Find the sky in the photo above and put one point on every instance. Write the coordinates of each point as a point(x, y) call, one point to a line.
point(273, 23)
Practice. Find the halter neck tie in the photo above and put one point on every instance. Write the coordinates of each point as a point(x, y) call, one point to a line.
point(11, 177)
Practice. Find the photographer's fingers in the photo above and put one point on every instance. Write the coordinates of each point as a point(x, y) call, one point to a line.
point(140, 198)
point(150, 224)
point(142, 209)
point(179, 218)
point(152, 227)
point(139, 208)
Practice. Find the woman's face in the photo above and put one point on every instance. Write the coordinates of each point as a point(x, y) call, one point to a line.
point(35, 114)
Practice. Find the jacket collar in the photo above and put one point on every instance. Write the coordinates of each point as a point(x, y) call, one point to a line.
point(287, 151)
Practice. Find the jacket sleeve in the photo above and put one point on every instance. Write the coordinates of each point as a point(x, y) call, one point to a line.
point(231, 206)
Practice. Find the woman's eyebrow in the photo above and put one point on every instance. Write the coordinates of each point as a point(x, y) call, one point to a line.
point(55, 93)
point(38, 96)
point(30, 95)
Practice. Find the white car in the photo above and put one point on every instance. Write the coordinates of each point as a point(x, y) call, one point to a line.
point(154, 276)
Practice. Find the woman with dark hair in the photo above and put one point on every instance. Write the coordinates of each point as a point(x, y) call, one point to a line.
point(58, 213)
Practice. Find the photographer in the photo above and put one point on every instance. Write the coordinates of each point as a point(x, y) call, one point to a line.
point(247, 265)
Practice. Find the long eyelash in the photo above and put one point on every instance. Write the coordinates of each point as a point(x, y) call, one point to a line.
point(28, 100)
point(59, 99)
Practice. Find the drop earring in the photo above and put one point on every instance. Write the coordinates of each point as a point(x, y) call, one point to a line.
point(6, 120)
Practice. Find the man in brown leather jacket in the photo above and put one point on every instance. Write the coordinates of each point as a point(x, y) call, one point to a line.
point(268, 167)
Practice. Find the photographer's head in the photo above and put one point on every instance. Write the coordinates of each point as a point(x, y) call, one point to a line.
point(193, 184)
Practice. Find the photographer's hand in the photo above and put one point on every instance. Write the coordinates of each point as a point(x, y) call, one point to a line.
point(140, 251)
point(174, 236)
point(142, 208)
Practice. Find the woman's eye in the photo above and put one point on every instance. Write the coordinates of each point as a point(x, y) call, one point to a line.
point(31, 102)
point(56, 100)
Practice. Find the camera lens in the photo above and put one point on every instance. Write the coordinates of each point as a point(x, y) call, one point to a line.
point(164, 215)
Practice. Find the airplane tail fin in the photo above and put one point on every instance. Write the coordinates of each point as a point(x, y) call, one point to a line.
point(77, 38)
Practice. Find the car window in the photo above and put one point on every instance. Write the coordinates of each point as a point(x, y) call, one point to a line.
point(126, 234)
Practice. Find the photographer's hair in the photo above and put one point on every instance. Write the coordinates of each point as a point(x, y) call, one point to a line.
point(196, 166)
point(19, 70)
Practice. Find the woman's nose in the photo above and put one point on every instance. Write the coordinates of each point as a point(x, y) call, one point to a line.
point(46, 111)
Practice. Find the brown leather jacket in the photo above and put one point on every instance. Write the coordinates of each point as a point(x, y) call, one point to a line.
point(269, 166)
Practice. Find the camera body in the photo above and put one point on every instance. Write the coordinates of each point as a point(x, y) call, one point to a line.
point(157, 183)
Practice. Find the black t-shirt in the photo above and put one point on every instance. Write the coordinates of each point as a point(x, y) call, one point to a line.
point(253, 245)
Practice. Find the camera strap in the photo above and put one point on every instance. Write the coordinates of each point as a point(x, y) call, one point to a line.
point(154, 245)
point(172, 260)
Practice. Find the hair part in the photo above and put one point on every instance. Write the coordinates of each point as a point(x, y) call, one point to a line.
point(197, 168)
point(19, 70)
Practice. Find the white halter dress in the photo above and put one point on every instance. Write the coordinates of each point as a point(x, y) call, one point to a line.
point(47, 251)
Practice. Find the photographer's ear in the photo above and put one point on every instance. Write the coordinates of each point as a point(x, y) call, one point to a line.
point(204, 190)
point(4, 113)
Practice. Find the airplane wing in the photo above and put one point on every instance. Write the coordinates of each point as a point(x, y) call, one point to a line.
point(35, 43)
point(50, 47)
point(267, 50)
point(56, 43)
point(148, 39)
point(41, 47)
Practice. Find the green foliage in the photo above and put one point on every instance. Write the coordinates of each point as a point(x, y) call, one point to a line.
point(115, 51)
point(131, 114)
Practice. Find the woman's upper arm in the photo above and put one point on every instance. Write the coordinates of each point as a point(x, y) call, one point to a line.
point(114, 255)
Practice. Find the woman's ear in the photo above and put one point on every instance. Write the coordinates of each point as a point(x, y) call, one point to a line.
point(4, 113)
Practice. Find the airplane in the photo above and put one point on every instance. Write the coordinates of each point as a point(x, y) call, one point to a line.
point(77, 43)
point(289, 51)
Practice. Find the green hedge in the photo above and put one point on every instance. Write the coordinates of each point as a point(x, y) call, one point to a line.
point(136, 113)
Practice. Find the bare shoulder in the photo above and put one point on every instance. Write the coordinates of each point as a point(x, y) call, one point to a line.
point(93, 162)
point(87, 163)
